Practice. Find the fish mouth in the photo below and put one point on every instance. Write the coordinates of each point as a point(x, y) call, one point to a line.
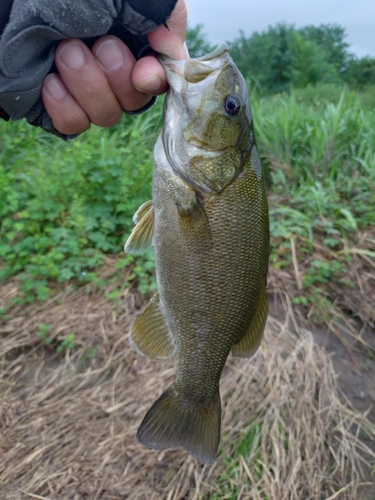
point(220, 49)
point(197, 69)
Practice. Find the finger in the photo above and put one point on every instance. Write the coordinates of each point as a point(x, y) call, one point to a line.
point(171, 41)
point(67, 115)
point(149, 76)
point(117, 63)
point(148, 73)
point(87, 83)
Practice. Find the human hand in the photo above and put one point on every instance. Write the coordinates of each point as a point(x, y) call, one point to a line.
point(95, 86)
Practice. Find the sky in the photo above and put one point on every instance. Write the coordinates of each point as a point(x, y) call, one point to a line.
point(223, 19)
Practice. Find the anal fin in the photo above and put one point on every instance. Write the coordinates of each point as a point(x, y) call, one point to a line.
point(249, 344)
point(149, 333)
point(142, 235)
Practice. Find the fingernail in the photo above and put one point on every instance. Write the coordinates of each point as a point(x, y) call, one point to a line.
point(54, 86)
point(109, 55)
point(151, 85)
point(72, 55)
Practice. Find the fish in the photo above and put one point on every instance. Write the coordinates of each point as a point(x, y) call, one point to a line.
point(209, 225)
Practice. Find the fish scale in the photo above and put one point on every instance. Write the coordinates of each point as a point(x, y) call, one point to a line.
point(209, 227)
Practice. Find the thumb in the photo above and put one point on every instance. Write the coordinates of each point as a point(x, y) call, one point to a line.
point(171, 41)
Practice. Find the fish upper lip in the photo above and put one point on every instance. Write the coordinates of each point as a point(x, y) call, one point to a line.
point(220, 49)
point(194, 70)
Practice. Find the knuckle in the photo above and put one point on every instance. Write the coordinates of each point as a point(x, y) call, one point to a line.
point(135, 102)
point(75, 122)
point(105, 118)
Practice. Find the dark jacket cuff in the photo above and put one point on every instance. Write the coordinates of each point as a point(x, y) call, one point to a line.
point(35, 27)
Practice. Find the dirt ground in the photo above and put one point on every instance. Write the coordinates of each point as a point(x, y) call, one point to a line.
point(354, 364)
point(297, 418)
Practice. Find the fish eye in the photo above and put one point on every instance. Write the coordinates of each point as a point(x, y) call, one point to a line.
point(233, 104)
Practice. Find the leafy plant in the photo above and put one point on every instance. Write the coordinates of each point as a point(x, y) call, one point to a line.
point(42, 333)
point(60, 217)
point(67, 343)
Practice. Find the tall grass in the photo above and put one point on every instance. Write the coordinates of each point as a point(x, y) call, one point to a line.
point(319, 159)
point(305, 143)
point(320, 163)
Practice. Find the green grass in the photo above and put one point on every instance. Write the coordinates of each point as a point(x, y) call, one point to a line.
point(65, 205)
point(320, 165)
point(305, 142)
point(249, 450)
point(318, 95)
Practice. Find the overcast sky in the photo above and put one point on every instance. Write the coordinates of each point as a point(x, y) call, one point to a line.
point(223, 19)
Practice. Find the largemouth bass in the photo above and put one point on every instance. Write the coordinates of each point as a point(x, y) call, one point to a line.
point(208, 222)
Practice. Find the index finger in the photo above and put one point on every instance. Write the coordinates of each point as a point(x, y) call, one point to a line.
point(171, 41)
point(148, 75)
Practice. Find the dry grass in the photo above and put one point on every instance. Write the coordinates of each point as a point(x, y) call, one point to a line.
point(353, 294)
point(68, 423)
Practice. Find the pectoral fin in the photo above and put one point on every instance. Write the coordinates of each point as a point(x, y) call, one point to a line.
point(249, 344)
point(142, 211)
point(149, 333)
point(142, 235)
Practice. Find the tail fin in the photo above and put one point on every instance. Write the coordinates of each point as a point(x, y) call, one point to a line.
point(171, 422)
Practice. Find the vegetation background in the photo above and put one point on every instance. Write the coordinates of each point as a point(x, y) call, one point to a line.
point(64, 206)
point(66, 211)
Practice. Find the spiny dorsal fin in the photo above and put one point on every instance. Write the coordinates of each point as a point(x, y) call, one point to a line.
point(149, 333)
point(142, 235)
point(249, 344)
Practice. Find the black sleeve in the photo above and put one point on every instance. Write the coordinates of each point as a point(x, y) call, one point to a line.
point(35, 27)
point(5, 8)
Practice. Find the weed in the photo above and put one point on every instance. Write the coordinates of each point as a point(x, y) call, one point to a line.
point(67, 343)
point(89, 353)
point(42, 333)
